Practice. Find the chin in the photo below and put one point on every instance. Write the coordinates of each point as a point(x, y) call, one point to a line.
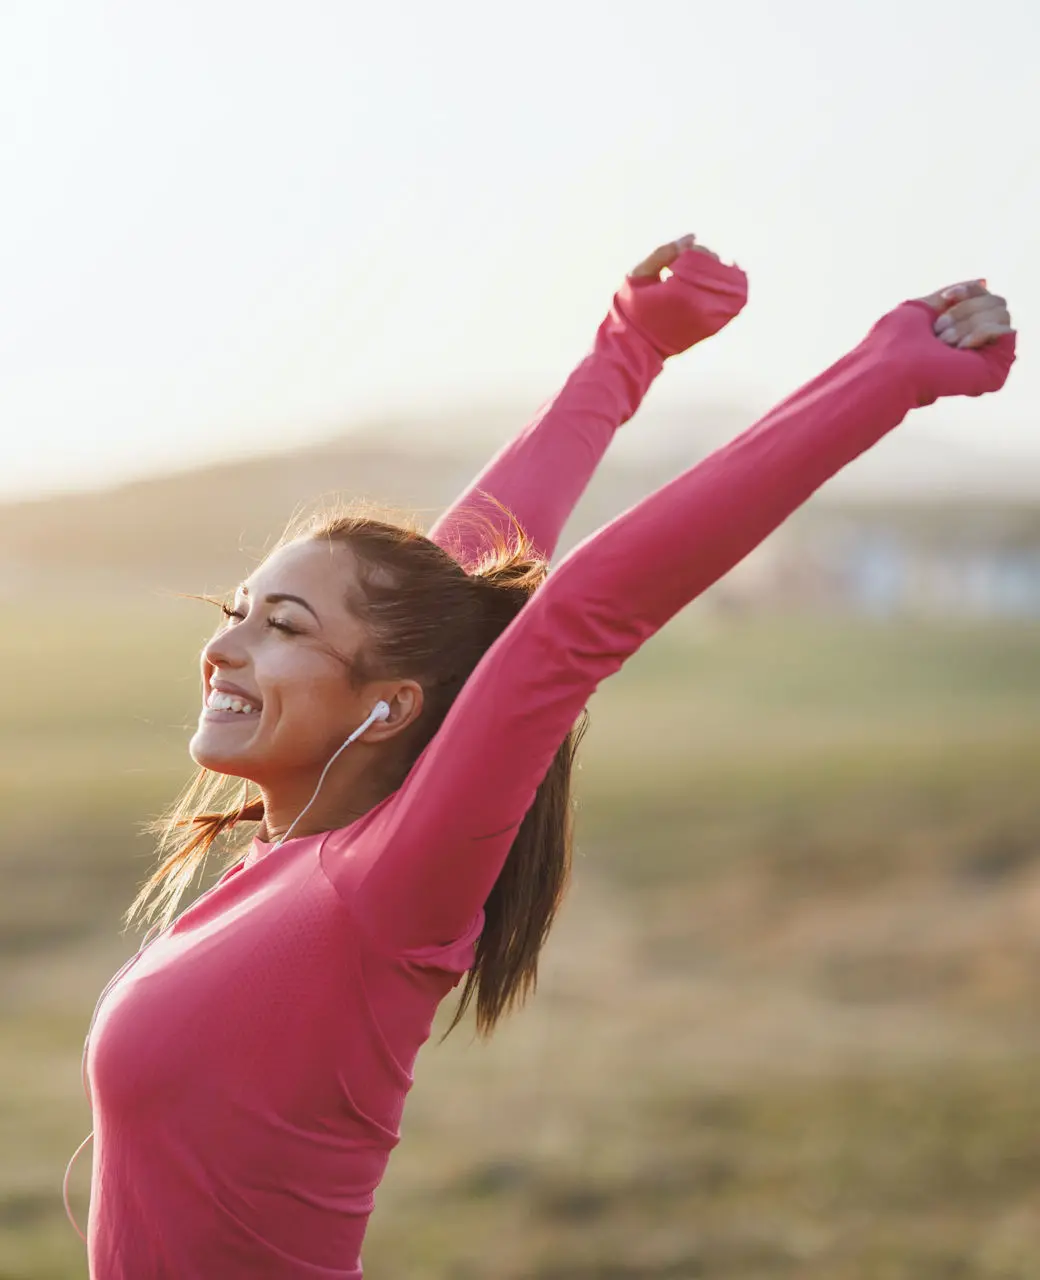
point(208, 755)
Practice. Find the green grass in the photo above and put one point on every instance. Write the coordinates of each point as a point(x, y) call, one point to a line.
point(856, 1177)
point(786, 1022)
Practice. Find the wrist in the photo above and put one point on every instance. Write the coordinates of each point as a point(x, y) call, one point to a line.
point(902, 342)
point(621, 341)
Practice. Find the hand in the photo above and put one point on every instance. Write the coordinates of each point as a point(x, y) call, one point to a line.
point(971, 315)
point(662, 257)
point(700, 297)
point(955, 342)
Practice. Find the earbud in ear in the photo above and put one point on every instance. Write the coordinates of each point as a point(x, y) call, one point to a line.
point(381, 711)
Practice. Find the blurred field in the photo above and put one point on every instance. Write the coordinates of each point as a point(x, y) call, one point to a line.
point(787, 1024)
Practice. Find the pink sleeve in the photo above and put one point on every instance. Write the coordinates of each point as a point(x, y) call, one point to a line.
point(539, 476)
point(421, 871)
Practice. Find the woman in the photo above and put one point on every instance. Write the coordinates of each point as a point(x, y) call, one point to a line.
point(409, 722)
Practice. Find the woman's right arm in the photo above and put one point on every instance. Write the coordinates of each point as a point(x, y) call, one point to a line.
point(423, 868)
point(538, 477)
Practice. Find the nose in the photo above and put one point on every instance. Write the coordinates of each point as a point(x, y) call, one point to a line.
point(223, 650)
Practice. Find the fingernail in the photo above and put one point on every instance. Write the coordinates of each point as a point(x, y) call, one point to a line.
point(950, 336)
point(954, 292)
point(944, 322)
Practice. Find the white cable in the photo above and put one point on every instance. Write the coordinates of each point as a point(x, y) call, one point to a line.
point(379, 712)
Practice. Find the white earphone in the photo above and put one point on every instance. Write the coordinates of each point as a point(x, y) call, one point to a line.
point(381, 711)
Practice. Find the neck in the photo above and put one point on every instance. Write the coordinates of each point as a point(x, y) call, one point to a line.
point(340, 802)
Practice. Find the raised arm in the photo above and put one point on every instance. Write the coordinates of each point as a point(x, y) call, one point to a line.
point(425, 865)
point(539, 476)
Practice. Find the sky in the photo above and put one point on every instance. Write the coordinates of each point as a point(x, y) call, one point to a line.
point(235, 226)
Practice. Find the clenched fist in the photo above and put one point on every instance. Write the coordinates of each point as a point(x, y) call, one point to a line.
point(700, 296)
point(955, 342)
point(971, 315)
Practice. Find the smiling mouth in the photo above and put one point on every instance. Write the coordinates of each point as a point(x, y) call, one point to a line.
point(228, 706)
point(222, 713)
point(240, 704)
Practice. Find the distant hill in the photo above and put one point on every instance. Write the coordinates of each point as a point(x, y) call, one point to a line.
point(202, 529)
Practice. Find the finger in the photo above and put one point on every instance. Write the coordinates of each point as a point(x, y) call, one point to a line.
point(961, 312)
point(964, 337)
point(958, 323)
point(980, 337)
point(662, 257)
point(943, 299)
point(978, 324)
point(998, 323)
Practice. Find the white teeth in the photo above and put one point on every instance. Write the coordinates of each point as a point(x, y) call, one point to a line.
point(224, 702)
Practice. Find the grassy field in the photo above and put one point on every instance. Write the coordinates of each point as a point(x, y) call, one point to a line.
point(787, 1022)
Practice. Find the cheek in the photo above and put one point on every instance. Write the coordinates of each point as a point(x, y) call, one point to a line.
point(305, 698)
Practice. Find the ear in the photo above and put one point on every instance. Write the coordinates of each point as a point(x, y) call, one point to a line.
point(405, 700)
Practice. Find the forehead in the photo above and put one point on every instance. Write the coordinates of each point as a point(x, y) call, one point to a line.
point(321, 571)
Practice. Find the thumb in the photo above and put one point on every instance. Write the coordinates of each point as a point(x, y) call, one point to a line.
point(946, 298)
point(662, 257)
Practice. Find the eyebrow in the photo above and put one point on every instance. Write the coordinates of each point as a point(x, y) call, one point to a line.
point(278, 596)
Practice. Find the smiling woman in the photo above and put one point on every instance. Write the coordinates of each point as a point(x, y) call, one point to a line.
point(250, 1066)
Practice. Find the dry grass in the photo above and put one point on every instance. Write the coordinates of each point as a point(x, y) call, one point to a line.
point(786, 1024)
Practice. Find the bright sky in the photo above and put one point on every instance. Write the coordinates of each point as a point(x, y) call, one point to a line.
point(235, 224)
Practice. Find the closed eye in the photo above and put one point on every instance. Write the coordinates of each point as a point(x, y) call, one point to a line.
point(276, 623)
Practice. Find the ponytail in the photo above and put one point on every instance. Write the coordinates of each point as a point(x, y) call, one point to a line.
point(522, 906)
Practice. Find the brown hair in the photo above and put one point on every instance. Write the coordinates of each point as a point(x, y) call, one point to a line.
point(429, 619)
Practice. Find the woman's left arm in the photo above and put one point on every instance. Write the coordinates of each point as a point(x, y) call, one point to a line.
point(539, 476)
point(430, 856)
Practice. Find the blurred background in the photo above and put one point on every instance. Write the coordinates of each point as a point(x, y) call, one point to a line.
point(257, 254)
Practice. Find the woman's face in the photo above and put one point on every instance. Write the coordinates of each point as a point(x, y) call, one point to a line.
point(288, 660)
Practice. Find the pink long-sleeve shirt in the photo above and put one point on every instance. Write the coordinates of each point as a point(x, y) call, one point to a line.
point(248, 1071)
